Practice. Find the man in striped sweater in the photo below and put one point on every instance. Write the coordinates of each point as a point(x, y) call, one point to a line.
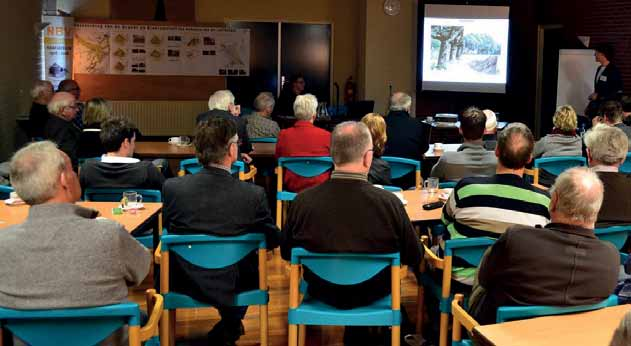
point(487, 206)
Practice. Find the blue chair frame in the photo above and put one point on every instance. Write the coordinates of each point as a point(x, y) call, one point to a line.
point(343, 269)
point(557, 165)
point(511, 313)
point(211, 252)
point(307, 167)
point(115, 195)
point(626, 165)
point(617, 235)
point(400, 167)
point(264, 140)
point(192, 166)
point(5, 191)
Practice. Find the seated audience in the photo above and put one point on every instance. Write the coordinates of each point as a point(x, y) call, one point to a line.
point(472, 158)
point(60, 127)
point(487, 206)
point(358, 216)
point(303, 139)
point(117, 167)
point(71, 86)
point(379, 169)
point(606, 150)
point(259, 124)
point(213, 202)
point(97, 110)
point(563, 141)
point(562, 264)
point(611, 113)
point(41, 93)
point(62, 256)
point(221, 104)
point(490, 130)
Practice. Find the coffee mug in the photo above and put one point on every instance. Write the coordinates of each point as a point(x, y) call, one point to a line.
point(431, 184)
point(131, 200)
point(438, 146)
point(174, 140)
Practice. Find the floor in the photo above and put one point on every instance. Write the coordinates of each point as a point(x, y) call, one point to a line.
point(193, 324)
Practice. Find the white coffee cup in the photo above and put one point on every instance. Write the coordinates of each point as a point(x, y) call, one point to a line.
point(438, 146)
point(174, 140)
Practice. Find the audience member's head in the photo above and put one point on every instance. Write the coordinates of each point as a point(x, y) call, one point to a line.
point(622, 335)
point(604, 53)
point(216, 142)
point(564, 119)
point(626, 105)
point(606, 146)
point(297, 84)
point(63, 105)
point(377, 127)
point(221, 100)
point(576, 197)
point(42, 92)
point(611, 112)
point(400, 101)
point(351, 147)
point(306, 107)
point(41, 173)
point(491, 122)
point(71, 86)
point(264, 103)
point(514, 146)
point(472, 124)
point(97, 110)
point(118, 136)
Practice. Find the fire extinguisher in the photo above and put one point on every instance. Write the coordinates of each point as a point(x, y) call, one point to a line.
point(349, 90)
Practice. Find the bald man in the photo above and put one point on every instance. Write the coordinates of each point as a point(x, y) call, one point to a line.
point(60, 127)
point(562, 264)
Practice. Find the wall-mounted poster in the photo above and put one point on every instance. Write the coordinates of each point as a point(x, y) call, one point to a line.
point(57, 48)
point(161, 50)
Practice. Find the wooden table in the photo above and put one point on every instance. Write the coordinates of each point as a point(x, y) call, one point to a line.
point(588, 328)
point(16, 214)
point(430, 154)
point(414, 208)
point(163, 150)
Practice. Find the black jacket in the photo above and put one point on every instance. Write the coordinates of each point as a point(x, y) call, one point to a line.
point(90, 145)
point(609, 86)
point(406, 137)
point(379, 172)
point(66, 134)
point(38, 116)
point(213, 202)
point(244, 140)
point(559, 265)
point(140, 175)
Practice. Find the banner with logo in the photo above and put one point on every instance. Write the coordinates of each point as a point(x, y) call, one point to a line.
point(57, 48)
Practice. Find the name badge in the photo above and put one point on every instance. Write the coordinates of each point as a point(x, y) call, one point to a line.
point(603, 78)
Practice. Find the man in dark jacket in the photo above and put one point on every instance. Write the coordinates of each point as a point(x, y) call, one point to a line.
point(60, 127)
point(213, 202)
point(563, 264)
point(608, 83)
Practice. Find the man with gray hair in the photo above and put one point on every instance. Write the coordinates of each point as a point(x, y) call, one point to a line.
point(60, 127)
point(41, 93)
point(562, 264)
point(221, 104)
point(406, 137)
point(303, 140)
point(607, 148)
point(359, 217)
point(259, 124)
point(62, 256)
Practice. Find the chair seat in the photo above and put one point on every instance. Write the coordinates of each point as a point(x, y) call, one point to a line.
point(315, 312)
point(174, 300)
point(286, 196)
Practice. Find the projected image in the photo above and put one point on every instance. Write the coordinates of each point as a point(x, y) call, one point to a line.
point(465, 50)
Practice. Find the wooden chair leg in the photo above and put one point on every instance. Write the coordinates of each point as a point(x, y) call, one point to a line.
point(264, 326)
point(134, 335)
point(420, 306)
point(172, 323)
point(293, 335)
point(396, 336)
point(164, 328)
point(302, 334)
point(444, 328)
point(279, 213)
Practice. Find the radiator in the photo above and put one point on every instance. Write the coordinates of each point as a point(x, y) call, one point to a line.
point(161, 118)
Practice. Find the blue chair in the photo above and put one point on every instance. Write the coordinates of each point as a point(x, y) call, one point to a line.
point(447, 184)
point(392, 188)
point(343, 269)
point(626, 165)
point(264, 140)
point(192, 166)
point(617, 235)
point(84, 326)
point(400, 167)
point(211, 252)
point(557, 165)
point(5, 191)
point(115, 195)
point(471, 251)
point(306, 167)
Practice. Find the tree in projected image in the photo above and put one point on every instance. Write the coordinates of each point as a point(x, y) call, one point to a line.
point(448, 41)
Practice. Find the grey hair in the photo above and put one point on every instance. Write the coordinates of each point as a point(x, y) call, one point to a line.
point(607, 144)
point(349, 141)
point(263, 101)
point(400, 101)
point(305, 106)
point(580, 194)
point(35, 171)
point(39, 87)
point(220, 99)
point(56, 106)
point(622, 335)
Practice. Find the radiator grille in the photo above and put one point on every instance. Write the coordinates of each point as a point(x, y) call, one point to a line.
point(161, 118)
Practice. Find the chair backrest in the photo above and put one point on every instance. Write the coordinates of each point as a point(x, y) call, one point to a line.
point(192, 166)
point(626, 165)
point(470, 250)
point(70, 327)
point(212, 252)
point(344, 268)
point(5, 191)
point(264, 140)
point(557, 165)
point(400, 166)
point(115, 195)
point(617, 235)
point(306, 167)
point(82, 160)
point(447, 184)
point(392, 188)
point(510, 313)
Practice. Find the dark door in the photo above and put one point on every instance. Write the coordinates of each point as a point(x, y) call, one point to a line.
point(553, 41)
point(306, 50)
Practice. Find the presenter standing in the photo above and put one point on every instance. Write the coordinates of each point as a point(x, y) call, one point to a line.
point(607, 82)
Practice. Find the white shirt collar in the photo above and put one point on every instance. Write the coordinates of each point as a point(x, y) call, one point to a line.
point(603, 168)
point(118, 159)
